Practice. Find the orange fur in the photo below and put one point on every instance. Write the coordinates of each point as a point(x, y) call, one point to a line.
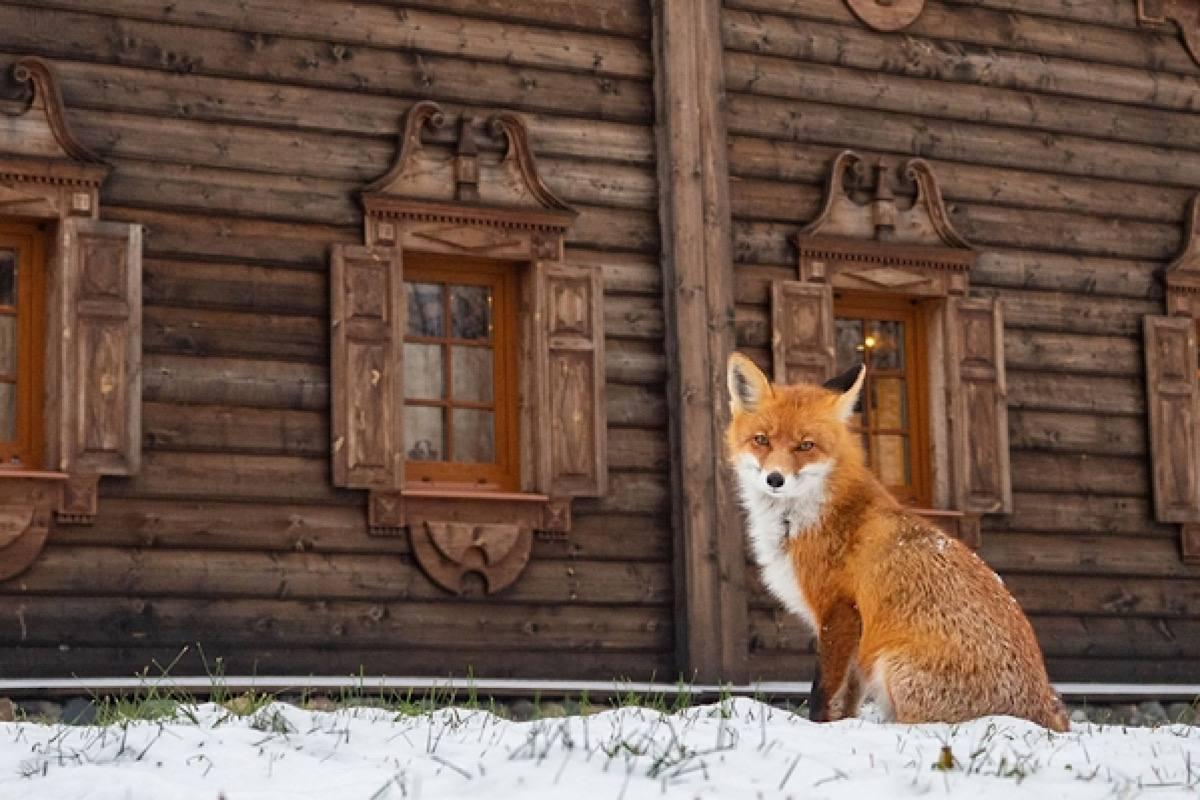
point(918, 618)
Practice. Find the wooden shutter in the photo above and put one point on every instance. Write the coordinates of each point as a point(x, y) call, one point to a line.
point(574, 460)
point(100, 352)
point(979, 419)
point(366, 420)
point(802, 332)
point(1171, 388)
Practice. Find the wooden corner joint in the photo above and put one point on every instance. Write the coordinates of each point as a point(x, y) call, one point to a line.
point(78, 500)
point(1185, 14)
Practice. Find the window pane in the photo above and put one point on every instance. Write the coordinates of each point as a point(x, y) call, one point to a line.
point(424, 309)
point(8, 344)
point(470, 312)
point(888, 352)
point(423, 375)
point(891, 459)
point(8, 277)
point(8, 412)
point(472, 370)
point(888, 403)
point(849, 343)
point(474, 436)
point(424, 433)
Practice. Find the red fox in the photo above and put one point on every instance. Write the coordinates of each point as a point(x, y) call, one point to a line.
point(904, 614)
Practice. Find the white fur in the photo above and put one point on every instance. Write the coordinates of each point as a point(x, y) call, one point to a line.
point(775, 516)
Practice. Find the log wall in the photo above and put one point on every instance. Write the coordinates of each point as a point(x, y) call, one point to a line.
point(1063, 139)
point(238, 134)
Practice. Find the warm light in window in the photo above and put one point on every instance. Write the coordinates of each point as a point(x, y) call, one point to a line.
point(869, 342)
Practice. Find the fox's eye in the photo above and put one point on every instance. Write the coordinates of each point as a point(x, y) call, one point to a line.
point(805, 445)
point(761, 439)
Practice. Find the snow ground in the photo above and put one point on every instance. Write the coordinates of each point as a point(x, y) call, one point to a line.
point(732, 750)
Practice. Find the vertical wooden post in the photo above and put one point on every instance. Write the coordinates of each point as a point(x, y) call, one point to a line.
point(697, 263)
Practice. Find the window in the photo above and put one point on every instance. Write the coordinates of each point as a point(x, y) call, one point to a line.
point(460, 372)
point(887, 334)
point(22, 253)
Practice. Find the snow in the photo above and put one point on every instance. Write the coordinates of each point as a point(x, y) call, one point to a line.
point(731, 750)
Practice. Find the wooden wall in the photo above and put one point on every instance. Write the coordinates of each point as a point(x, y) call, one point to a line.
point(1065, 140)
point(238, 133)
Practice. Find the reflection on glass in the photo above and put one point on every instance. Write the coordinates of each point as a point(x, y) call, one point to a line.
point(424, 433)
point(891, 459)
point(8, 277)
point(888, 403)
point(470, 312)
point(474, 436)
point(8, 412)
point(472, 370)
point(423, 377)
point(424, 309)
point(888, 352)
point(8, 345)
point(849, 335)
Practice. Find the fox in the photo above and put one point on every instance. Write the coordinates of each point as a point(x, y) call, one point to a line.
point(904, 615)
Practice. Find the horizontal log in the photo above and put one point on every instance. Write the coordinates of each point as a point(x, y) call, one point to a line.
point(413, 29)
point(96, 621)
point(1050, 512)
point(1075, 473)
point(234, 382)
point(1084, 554)
point(1132, 597)
point(1076, 433)
point(117, 572)
point(1048, 391)
point(462, 663)
point(1069, 352)
point(295, 527)
point(291, 60)
point(917, 56)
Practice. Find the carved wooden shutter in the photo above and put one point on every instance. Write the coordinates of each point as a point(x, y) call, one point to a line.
point(99, 359)
point(1171, 388)
point(366, 371)
point(572, 361)
point(979, 421)
point(802, 332)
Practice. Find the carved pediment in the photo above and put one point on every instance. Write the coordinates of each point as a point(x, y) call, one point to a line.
point(40, 130)
point(1184, 13)
point(870, 236)
point(488, 176)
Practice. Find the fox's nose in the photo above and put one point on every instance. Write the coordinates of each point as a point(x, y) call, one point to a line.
point(775, 480)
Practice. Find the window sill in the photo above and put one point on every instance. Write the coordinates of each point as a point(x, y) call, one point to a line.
point(390, 512)
point(10, 473)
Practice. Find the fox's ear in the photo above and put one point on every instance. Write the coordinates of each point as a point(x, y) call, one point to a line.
point(849, 398)
point(845, 381)
point(748, 387)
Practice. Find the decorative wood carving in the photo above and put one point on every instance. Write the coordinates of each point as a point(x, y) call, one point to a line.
point(27, 501)
point(1172, 394)
point(1191, 543)
point(887, 15)
point(78, 500)
point(802, 332)
point(449, 551)
point(1182, 275)
point(1184, 13)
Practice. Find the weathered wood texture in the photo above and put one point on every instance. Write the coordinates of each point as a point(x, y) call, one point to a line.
point(1061, 135)
point(238, 136)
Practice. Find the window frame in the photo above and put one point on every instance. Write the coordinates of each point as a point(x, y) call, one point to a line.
point(29, 239)
point(505, 473)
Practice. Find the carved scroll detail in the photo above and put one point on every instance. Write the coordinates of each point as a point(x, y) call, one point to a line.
point(47, 103)
point(1185, 14)
point(887, 15)
point(1183, 273)
point(449, 551)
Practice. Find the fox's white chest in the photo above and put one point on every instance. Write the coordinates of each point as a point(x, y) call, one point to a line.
point(768, 539)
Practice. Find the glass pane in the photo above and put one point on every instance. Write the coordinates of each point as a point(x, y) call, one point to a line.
point(424, 309)
point(8, 277)
point(474, 436)
point(8, 412)
point(849, 334)
point(472, 370)
point(424, 433)
point(8, 345)
point(891, 459)
point(888, 349)
point(888, 403)
point(423, 375)
point(470, 312)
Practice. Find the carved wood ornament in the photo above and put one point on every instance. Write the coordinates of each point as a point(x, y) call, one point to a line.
point(92, 383)
point(887, 15)
point(1184, 13)
point(884, 228)
point(474, 190)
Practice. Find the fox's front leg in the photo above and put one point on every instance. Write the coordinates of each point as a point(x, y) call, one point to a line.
point(836, 682)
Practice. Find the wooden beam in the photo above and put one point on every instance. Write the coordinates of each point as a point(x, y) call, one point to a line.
point(711, 626)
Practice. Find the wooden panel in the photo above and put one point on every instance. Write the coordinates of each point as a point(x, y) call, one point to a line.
point(101, 348)
point(574, 356)
point(1080, 553)
point(1172, 395)
point(366, 424)
point(802, 332)
point(979, 426)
